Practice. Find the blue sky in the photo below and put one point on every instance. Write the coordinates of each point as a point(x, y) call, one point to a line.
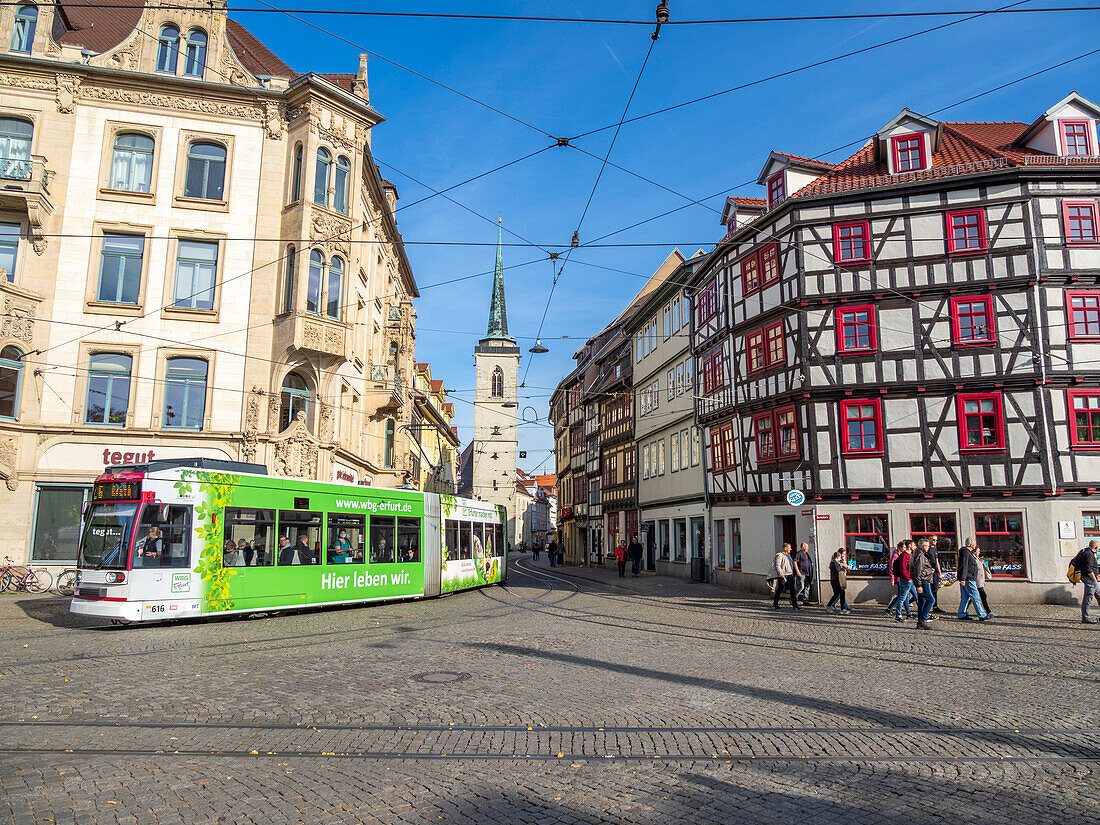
point(570, 78)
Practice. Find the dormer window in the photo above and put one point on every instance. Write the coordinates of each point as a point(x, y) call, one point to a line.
point(908, 151)
point(1076, 138)
point(777, 190)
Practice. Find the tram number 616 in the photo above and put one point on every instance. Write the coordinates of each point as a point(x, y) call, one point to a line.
point(156, 608)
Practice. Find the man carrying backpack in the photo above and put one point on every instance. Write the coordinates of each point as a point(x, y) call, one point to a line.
point(1085, 564)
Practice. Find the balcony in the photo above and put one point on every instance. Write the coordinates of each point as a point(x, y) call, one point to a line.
point(385, 388)
point(314, 334)
point(25, 187)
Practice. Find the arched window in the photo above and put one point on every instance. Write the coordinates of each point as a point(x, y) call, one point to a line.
point(340, 197)
point(15, 148)
point(205, 177)
point(387, 456)
point(185, 393)
point(108, 389)
point(498, 383)
point(195, 62)
point(295, 399)
point(168, 50)
point(296, 186)
point(132, 163)
point(22, 34)
point(320, 181)
point(288, 284)
point(11, 370)
point(335, 288)
point(313, 282)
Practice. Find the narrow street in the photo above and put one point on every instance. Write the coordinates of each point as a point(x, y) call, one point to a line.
point(554, 699)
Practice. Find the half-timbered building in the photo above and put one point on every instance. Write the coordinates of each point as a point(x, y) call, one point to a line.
point(906, 344)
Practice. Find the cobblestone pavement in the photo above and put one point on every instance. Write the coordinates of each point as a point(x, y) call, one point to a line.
point(568, 696)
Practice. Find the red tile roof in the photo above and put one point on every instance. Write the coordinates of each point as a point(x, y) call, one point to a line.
point(255, 56)
point(824, 164)
point(758, 202)
point(343, 80)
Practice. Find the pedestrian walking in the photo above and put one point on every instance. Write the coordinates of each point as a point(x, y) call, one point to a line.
point(1086, 565)
point(968, 583)
point(983, 571)
point(536, 550)
point(904, 578)
point(838, 581)
point(621, 556)
point(934, 547)
point(923, 572)
point(784, 573)
point(635, 551)
point(552, 553)
point(805, 572)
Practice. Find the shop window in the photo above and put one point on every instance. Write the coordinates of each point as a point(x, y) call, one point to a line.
point(1084, 418)
point(9, 250)
point(195, 62)
point(108, 389)
point(205, 175)
point(196, 273)
point(855, 329)
point(735, 543)
point(1083, 309)
point(1001, 538)
point(132, 163)
point(861, 427)
point(867, 540)
point(851, 243)
point(11, 374)
point(15, 148)
point(679, 539)
point(22, 33)
point(942, 527)
point(294, 399)
point(303, 529)
point(185, 393)
point(120, 264)
point(1079, 219)
point(720, 543)
point(966, 232)
point(908, 151)
point(663, 540)
point(168, 50)
point(256, 528)
point(55, 535)
point(1091, 523)
point(972, 321)
point(981, 423)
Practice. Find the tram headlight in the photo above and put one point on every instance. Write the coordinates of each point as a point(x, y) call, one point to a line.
point(116, 578)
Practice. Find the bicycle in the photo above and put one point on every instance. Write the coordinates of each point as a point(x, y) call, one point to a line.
point(19, 577)
point(66, 582)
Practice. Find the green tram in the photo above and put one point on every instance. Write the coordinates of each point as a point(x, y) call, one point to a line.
point(198, 537)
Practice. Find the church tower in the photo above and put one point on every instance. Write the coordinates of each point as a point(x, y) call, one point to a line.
point(496, 363)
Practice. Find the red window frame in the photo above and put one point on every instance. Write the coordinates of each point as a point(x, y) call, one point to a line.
point(706, 302)
point(777, 189)
point(964, 422)
point(852, 242)
point(711, 372)
point(763, 433)
point(756, 357)
point(965, 309)
point(786, 444)
point(1081, 223)
point(769, 264)
point(966, 220)
point(1083, 310)
point(1086, 133)
point(896, 150)
point(750, 274)
point(727, 446)
point(1084, 418)
point(721, 449)
point(775, 345)
point(843, 322)
point(867, 410)
point(997, 525)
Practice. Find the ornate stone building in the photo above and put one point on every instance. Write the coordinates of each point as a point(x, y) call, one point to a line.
point(198, 256)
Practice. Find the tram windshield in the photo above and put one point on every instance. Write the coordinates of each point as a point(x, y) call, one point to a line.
point(106, 541)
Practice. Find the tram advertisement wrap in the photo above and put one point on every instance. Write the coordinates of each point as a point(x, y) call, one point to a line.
point(257, 586)
point(466, 567)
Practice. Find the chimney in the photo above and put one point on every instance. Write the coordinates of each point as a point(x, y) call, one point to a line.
point(360, 85)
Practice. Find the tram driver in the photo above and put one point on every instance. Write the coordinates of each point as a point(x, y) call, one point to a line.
point(151, 549)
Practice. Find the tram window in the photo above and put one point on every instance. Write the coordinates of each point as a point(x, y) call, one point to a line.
point(164, 537)
point(498, 540)
point(381, 539)
point(452, 539)
point(465, 540)
point(408, 540)
point(347, 536)
point(302, 528)
point(479, 539)
point(256, 529)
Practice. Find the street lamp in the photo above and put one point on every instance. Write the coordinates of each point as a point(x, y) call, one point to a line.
point(538, 348)
point(509, 405)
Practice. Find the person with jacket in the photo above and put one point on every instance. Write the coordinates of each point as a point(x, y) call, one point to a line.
point(784, 572)
point(635, 551)
point(923, 571)
point(968, 583)
point(805, 572)
point(286, 551)
point(983, 571)
point(838, 581)
point(1086, 565)
point(231, 557)
point(620, 557)
point(552, 553)
point(903, 576)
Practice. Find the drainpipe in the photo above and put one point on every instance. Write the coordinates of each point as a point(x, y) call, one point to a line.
point(1036, 251)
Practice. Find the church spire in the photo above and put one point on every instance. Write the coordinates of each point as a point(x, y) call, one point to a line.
point(498, 314)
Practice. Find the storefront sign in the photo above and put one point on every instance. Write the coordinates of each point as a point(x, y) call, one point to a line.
point(795, 498)
point(343, 474)
point(92, 459)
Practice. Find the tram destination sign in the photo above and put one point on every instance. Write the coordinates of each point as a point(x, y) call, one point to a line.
point(116, 490)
